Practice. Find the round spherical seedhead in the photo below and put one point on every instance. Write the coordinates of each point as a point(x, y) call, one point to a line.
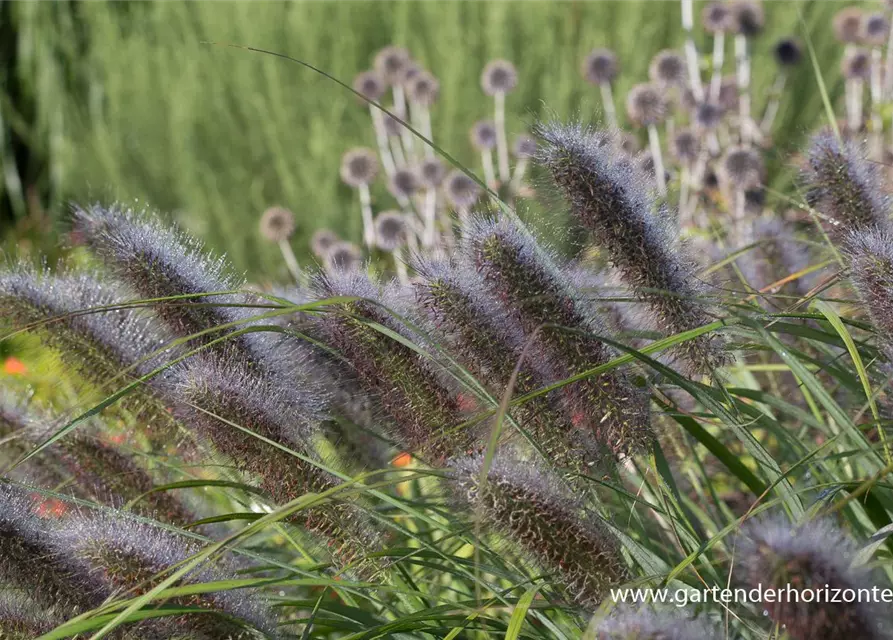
point(431, 173)
point(524, 147)
point(404, 183)
point(322, 242)
point(600, 66)
point(390, 230)
point(391, 62)
point(369, 85)
point(499, 76)
point(483, 135)
point(716, 18)
point(856, 64)
point(742, 168)
point(277, 224)
point(748, 18)
point(410, 71)
point(424, 89)
point(668, 69)
point(848, 25)
point(875, 29)
point(708, 115)
point(684, 146)
point(788, 52)
point(460, 190)
point(646, 105)
point(359, 166)
point(343, 256)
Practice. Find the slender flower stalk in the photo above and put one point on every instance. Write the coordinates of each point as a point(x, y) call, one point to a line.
point(646, 106)
point(600, 68)
point(691, 51)
point(498, 79)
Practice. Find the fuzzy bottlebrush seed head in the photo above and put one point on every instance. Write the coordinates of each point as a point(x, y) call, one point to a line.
point(404, 183)
point(843, 185)
point(848, 25)
point(646, 624)
point(812, 557)
point(424, 89)
point(668, 69)
point(520, 275)
point(875, 30)
point(391, 62)
point(856, 64)
point(322, 241)
point(536, 511)
point(685, 146)
point(344, 256)
point(748, 17)
point(461, 191)
point(359, 166)
point(499, 76)
point(277, 224)
point(483, 135)
point(22, 618)
point(369, 85)
point(431, 173)
point(600, 66)
point(742, 168)
point(610, 199)
point(423, 411)
point(646, 105)
point(524, 147)
point(390, 230)
point(870, 254)
point(716, 18)
point(788, 52)
point(120, 555)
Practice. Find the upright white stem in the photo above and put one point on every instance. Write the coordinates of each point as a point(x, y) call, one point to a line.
point(400, 265)
point(608, 104)
point(489, 172)
point(381, 137)
point(464, 220)
point(719, 55)
point(854, 104)
point(691, 52)
point(518, 175)
point(877, 124)
point(430, 213)
point(502, 147)
point(368, 223)
point(743, 76)
point(888, 66)
point(400, 110)
point(774, 103)
point(657, 158)
point(397, 151)
point(425, 117)
point(291, 262)
point(684, 186)
point(740, 202)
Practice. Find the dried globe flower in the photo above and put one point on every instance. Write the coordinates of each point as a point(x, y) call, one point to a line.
point(848, 25)
point(499, 76)
point(277, 224)
point(646, 105)
point(600, 66)
point(370, 85)
point(483, 135)
point(391, 62)
point(359, 166)
point(668, 69)
point(390, 230)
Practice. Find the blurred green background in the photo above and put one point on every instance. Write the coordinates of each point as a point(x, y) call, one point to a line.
point(124, 101)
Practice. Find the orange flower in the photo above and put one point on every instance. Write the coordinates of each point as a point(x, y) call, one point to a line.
point(14, 367)
point(51, 508)
point(402, 460)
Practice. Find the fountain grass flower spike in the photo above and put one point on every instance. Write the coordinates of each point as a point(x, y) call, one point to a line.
point(610, 200)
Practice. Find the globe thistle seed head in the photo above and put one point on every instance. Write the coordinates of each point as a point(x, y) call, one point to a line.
point(870, 255)
point(611, 201)
point(422, 410)
point(404, 183)
point(610, 408)
point(856, 64)
point(370, 85)
point(431, 173)
point(716, 17)
point(848, 25)
point(842, 184)
point(875, 29)
point(668, 69)
point(483, 135)
point(743, 168)
point(277, 224)
point(642, 623)
point(537, 512)
point(461, 191)
point(322, 241)
point(344, 256)
point(524, 147)
point(600, 66)
point(708, 115)
point(499, 76)
point(391, 62)
point(646, 105)
point(390, 230)
point(748, 17)
point(125, 555)
point(359, 166)
point(776, 555)
point(410, 72)
point(685, 146)
point(424, 89)
point(788, 52)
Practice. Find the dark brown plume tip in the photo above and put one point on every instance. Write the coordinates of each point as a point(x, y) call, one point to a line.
point(600, 66)
point(499, 76)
